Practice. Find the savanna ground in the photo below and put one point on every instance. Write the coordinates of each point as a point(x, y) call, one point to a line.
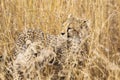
point(49, 15)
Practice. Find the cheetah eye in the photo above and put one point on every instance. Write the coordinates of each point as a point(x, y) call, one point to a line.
point(68, 29)
point(62, 33)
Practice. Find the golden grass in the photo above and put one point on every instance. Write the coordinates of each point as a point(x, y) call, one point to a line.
point(49, 15)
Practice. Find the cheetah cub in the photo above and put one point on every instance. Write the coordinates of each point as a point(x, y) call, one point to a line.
point(77, 33)
point(36, 49)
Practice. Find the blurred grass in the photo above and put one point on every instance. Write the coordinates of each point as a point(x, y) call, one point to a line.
point(49, 15)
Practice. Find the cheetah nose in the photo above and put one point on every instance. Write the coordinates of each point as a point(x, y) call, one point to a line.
point(62, 33)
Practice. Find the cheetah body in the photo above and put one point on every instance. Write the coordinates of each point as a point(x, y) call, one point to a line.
point(35, 49)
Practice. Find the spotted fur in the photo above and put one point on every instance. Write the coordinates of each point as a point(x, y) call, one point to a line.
point(35, 51)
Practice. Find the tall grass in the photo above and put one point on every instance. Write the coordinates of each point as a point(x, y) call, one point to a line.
point(49, 15)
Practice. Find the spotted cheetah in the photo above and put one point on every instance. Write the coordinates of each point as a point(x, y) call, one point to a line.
point(31, 49)
point(35, 50)
point(33, 59)
point(77, 33)
point(29, 35)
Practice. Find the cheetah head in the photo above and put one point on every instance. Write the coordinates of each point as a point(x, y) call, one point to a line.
point(74, 28)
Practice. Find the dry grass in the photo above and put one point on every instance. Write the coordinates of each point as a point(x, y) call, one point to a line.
point(104, 45)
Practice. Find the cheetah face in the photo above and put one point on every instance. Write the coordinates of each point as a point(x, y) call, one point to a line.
point(75, 28)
